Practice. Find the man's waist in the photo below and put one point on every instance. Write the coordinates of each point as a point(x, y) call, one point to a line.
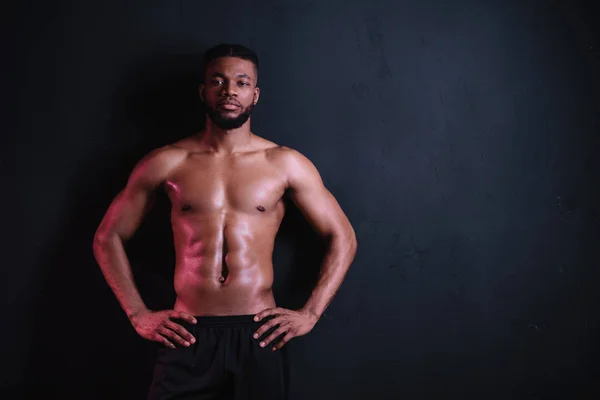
point(224, 321)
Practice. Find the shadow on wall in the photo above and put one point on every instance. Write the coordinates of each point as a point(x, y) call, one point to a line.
point(82, 341)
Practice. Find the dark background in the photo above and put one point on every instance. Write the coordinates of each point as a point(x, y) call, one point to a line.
point(460, 137)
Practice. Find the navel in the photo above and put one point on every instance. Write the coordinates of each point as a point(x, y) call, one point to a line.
point(260, 208)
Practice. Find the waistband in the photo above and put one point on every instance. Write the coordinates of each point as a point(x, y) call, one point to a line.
point(225, 321)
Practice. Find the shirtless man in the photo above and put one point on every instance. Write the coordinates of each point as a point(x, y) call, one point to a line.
point(225, 184)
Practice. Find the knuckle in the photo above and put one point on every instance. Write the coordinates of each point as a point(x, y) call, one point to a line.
point(168, 333)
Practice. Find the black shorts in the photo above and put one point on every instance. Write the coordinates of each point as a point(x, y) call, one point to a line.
point(226, 362)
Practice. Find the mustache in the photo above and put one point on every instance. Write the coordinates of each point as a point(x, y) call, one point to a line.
point(229, 101)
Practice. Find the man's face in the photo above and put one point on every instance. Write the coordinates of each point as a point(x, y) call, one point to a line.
point(229, 91)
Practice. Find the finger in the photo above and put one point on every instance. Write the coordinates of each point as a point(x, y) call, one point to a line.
point(183, 316)
point(284, 340)
point(164, 341)
point(269, 311)
point(266, 326)
point(169, 334)
point(181, 331)
point(278, 332)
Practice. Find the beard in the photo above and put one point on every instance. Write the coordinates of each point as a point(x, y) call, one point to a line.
point(227, 123)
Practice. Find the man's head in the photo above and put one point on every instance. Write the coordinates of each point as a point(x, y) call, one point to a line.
point(229, 90)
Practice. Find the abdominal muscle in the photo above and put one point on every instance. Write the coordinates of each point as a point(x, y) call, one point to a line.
point(223, 263)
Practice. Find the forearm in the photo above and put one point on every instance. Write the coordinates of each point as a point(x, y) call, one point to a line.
point(110, 255)
point(340, 254)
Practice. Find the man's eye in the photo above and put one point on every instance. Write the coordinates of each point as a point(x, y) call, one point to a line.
point(244, 83)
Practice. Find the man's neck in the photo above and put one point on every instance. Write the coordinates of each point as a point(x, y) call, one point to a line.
point(224, 141)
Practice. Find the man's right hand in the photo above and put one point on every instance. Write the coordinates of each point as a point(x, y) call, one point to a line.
point(159, 326)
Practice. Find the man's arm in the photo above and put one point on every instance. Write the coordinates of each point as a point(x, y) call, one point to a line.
point(123, 218)
point(323, 212)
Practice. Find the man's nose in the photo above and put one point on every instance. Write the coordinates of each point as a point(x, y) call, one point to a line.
point(228, 89)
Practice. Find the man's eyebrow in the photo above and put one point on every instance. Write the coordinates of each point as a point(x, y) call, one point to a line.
point(220, 75)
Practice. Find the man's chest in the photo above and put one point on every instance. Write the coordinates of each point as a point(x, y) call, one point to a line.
point(207, 185)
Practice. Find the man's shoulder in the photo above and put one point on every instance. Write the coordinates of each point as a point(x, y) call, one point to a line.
point(276, 152)
point(282, 155)
point(166, 154)
point(160, 161)
point(291, 161)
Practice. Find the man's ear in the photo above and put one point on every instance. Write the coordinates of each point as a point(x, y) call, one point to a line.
point(201, 92)
point(256, 94)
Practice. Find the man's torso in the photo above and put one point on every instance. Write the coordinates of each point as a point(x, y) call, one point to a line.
point(226, 211)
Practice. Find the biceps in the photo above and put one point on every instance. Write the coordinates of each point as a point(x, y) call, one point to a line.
point(126, 212)
point(321, 209)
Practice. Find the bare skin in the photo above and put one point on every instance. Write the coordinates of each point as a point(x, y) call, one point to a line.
point(226, 188)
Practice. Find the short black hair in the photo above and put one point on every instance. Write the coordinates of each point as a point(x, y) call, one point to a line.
point(230, 50)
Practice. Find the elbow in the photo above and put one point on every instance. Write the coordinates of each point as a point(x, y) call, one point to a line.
point(346, 240)
point(353, 243)
point(101, 239)
point(99, 242)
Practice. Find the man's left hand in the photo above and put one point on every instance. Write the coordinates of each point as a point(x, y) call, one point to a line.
point(291, 323)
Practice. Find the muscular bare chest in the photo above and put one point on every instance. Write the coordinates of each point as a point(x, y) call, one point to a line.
point(206, 184)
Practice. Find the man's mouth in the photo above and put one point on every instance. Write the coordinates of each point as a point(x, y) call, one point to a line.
point(227, 105)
